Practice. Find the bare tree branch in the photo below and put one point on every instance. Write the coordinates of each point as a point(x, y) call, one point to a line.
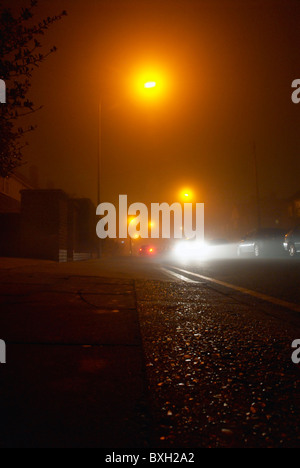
point(20, 54)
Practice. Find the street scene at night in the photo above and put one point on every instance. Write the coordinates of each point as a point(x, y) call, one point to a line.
point(149, 226)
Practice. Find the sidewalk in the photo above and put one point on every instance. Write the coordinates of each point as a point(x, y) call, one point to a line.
point(75, 373)
point(111, 267)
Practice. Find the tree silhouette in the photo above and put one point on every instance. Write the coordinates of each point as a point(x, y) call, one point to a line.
point(20, 54)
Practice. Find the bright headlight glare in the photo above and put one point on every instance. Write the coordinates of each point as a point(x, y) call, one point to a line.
point(190, 250)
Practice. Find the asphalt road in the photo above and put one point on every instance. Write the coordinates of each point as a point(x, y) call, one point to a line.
point(219, 358)
point(278, 278)
point(133, 352)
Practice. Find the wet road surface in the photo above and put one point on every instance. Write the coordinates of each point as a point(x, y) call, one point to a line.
point(120, 353)
point(220, 370)
point(278, 278)
point(219, 359)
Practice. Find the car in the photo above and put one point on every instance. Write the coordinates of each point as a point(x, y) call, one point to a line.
point(292, 242)
point(146, 250)
point(262, 242)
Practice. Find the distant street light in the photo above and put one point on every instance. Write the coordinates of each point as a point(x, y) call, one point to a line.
point(186, 196)
point(129, 221)
point(150, 84)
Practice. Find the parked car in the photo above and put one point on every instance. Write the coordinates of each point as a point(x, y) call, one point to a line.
point(262, 242)
point(292, 242)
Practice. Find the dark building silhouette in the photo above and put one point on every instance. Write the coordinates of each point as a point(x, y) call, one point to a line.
point(55, 227)
point(10, 192)
point(10, 241)
point(82, 239)
point(10, 207)
point(275, 213)
point(44, 224)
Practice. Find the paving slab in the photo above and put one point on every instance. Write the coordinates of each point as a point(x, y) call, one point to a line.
point(75, 374)
point(73, 396)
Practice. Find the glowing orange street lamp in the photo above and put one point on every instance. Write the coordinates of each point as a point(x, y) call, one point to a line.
point(129, 221)
point(150, 84)
point(186, 195)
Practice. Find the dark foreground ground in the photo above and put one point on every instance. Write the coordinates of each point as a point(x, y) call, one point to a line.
point(117, 354)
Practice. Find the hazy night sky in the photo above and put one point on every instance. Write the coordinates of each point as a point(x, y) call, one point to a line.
point(227, 68)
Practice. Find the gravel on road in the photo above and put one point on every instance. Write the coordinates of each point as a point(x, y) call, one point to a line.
point(220, 371)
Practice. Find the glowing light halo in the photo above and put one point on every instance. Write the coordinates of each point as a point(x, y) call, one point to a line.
point(150, 84)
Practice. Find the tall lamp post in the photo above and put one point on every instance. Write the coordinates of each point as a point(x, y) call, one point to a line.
point(99, 151)
point(147, 85)
point(258, 204)
point(99, 155)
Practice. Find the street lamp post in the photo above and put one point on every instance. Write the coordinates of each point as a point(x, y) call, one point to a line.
point(258, 204)
point(99, 151)
point(99, 154)
point(147, 85)
point(99, 158)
